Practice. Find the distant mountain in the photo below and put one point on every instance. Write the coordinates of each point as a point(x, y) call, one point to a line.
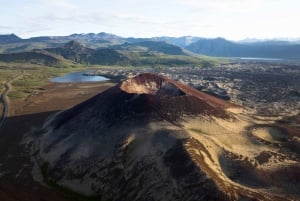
point(178, 41)
point(147, 53)
point(73, 51)
point(287, 49)
point(26, 46)
point(78, 53)
point(96, 38)
point(108, 56)
point(82, 38)
point(91, 48)
point(39, 39)
point(11, 38)
point(158, 53)
point(162, 47)
point(156, 46)
point(286, 40)
point(216, 47)
point(12, 43)
point(267, 49)
point(35, 57)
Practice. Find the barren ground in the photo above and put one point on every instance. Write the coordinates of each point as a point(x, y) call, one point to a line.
point(15, 168)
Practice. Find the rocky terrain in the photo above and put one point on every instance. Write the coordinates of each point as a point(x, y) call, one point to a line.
point(265, 88)
point(153, 138)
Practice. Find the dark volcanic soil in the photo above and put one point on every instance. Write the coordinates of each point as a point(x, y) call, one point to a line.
point(124, 143)
point(16, 181)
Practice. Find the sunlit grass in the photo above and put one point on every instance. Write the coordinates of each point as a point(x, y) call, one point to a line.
point(27, 78)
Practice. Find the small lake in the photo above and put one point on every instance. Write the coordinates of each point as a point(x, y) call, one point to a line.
point(79, 77)
point(260, 59)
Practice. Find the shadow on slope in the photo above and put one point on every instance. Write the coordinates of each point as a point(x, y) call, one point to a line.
point(16, 182)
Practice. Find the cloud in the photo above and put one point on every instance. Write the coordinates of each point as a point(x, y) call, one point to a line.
point(59, 5)
point(3, 2)
point(222, 5)
point(96, 18)
point(6, 27)
point(230, 18)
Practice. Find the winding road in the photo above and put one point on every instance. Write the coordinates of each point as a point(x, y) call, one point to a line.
point(5, 101)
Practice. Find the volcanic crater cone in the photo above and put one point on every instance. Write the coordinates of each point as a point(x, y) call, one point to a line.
point(152, 138)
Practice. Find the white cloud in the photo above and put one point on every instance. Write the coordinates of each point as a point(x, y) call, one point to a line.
point(233, 19)
point(222, 5)
point(58, 5)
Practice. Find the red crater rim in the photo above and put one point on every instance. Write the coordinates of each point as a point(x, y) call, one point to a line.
point(151, 84)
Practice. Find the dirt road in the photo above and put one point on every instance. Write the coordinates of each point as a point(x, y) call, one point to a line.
point(4, 99)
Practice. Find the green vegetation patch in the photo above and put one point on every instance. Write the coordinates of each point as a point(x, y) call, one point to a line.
point(27, 78)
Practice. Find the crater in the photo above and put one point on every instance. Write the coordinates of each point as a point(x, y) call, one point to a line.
point(151, 84)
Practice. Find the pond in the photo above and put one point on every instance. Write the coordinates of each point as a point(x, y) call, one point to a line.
point(260, 59)
point(83, 76)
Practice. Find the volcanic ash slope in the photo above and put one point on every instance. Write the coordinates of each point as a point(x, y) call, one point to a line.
point(152, 138)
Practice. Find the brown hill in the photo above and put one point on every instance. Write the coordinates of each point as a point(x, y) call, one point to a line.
point(36, 57)
point(151, 97)
point(76, 52)
point(152, 138)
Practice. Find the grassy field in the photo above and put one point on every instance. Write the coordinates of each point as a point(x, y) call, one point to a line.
point(27, 112)
point(31, 77)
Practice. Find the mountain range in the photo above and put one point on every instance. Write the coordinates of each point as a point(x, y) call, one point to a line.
point(144, 53)
point(266, 49)
point(219, 47)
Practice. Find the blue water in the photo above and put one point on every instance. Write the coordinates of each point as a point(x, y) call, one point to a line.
point(258, 58)
point(78, 77)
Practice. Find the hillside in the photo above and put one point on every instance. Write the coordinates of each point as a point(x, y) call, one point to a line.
point(11, 38)
point(126, 54)
point(152, 138)
point(178, 41)
point(167, 45)
point(12, 43)
point(162, 47)
point(35, 57)
point(76, 52)
point(151, 46)
point(129, 54)
point(73, 51)
point(223, 48)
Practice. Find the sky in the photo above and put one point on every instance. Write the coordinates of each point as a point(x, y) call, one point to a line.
point(230, 19)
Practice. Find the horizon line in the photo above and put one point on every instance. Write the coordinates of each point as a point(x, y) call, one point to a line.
point(244, 39)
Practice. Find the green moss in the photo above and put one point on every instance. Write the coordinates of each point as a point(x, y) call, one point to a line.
point(18, 94)
point(28, 78)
